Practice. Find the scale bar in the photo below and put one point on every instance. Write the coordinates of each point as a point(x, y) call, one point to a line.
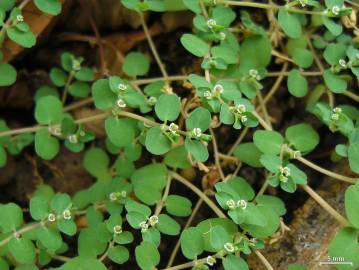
point(323, 263)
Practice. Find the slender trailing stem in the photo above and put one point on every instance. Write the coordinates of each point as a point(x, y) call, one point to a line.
point(263, 260)
point(67, 85)
point(216, 156)
point(22, 231)
point(263, 107)
point(161, 203)
point(270, 6)
point(276, 84)
point(310, 164)
point(325, 205)
point(199, 192)
point(188, 223)
point(327, 172)
point(153, 47)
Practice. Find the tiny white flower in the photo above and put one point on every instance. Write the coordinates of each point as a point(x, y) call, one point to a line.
point(303, 3)
point(337, 110)
point(122, 87)
point(76, 65)
point(253, 73)
point(229, 247)
point(51, 217)
point(117, 229)
point(285, 171)
point(121, 103)
point(241, 108)
point(66, 214)
point(218, 89)
point(55, 130)
point(342, 63)
point(153, 220)
point(152, 100)
point(283, 178)
point(222, 36)
point(335, 116)
point(210, 260)
point(123, 193)
point(211, 23)
point(144, 226)
point(242, 204)
point(335, 10)
point(113, 197)
point(173, 128)
point(20, 18)
point(243, 118)
point(73, 138)
point(231, 204)
point(197, 132)
point(208, 95)
point(258, 78)
point(17, 235)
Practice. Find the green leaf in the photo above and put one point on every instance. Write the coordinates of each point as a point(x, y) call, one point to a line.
point(303, 57)
point(273, 202)
point(290, 23)
point(147, 256)
point(3, 157)
point(11, 217)
point(298, 176)
point(302, 136)
point(52, 7)
point(194, 45)
point(4, 265)
point(269, 142)
point(334, 52)
point(218, 237)
point(232, 262)
point(296, 266)
point(178, 206)
point(46, 146)
point(23, 250)
point(85, 74)
point(334, 82)
point(177, 158)
point(353, 156)
point(25, 39)
point(271, 162)
point(7, 74)
point(297, 84)
point(197, 149)
point(50, 238)
point(39, 208)
point(58, 77)
point(351, 204)
point(48, 110)
point(119, 131)
point(249, 154)
point(255, 53)
point(156, 142)
point(7, 5)
point(79, 89)
point(168, 225)
point(168, 107)
point(136, 64)
point(60, 202)
point(334, 28)
point(103, 97)
point(193, 5)
point(191, 243)
point(118, 254)
point(199, 118)
point(149, 181)
point(67, 227)
point(96, 162)
point(345, 245)
point(83, 263)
